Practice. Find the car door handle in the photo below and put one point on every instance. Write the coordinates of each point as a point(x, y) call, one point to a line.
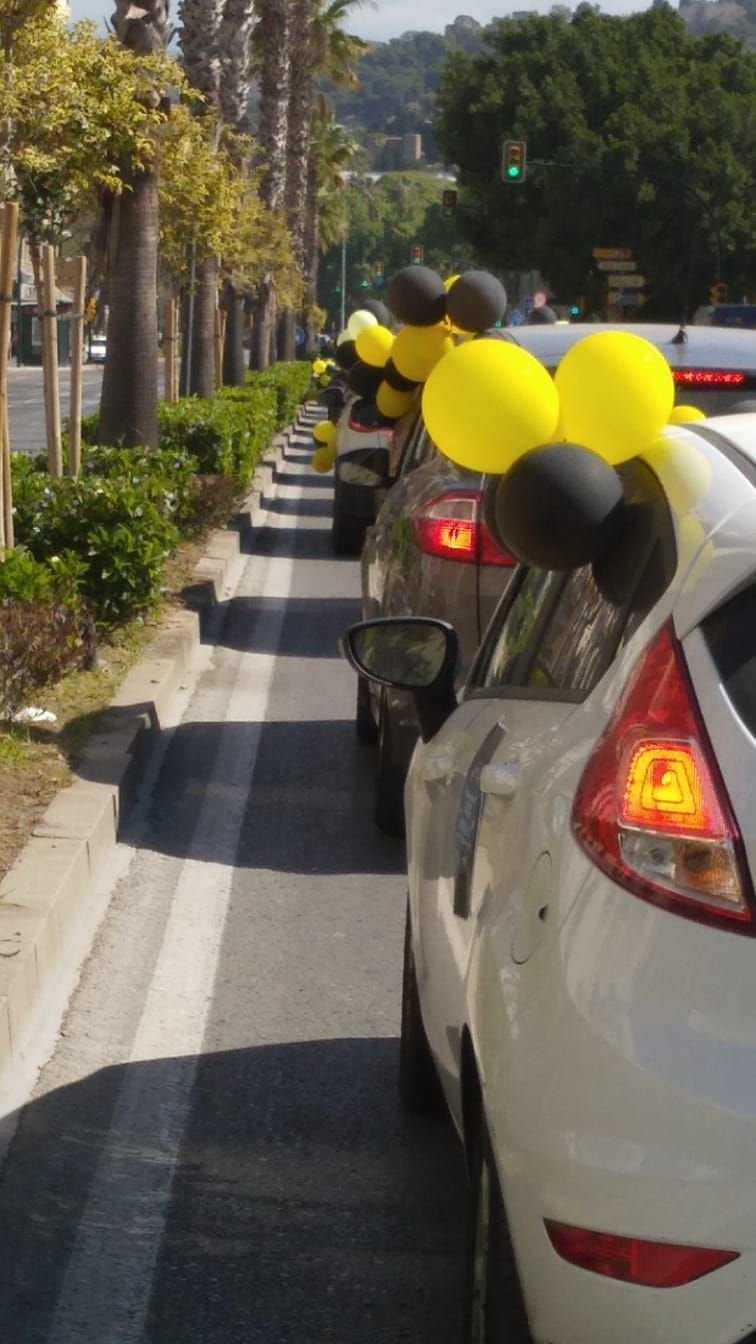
point(500, 780)
point(438, 769)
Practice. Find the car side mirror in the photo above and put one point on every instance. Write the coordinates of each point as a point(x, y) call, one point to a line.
point(409, 653)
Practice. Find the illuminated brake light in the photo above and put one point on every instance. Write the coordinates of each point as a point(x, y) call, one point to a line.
point(649, 1264)
point(708, 377)
point(651, 808)
point(450, 527)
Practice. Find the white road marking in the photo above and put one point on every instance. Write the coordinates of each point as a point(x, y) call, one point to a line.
point(105, 1293)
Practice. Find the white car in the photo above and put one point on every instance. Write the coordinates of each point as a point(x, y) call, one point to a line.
point(98, 348)
point(580, 962)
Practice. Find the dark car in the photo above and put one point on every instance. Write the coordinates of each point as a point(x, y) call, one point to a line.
point(430, 553)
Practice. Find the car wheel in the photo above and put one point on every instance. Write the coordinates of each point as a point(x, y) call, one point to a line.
point(495, 1310)
point(419, 1087)
point(389, 780)
point(365, 725)
point(347, 532)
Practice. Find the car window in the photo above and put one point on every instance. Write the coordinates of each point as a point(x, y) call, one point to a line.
point(419, 451)
point(730, 633)
point(579, 638)
point(503, 658)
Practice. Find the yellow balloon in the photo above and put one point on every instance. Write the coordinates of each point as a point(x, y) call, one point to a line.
point(324, 379)
point(391, 402)
point(488, 402)
point(682, 469)
point(358, 321)
point(374, 344)
point(417, 350)
point(682, 415)
point(616, 393)
point(449, 281)
point(318, 366)
point(323, 459)
point(324, 432)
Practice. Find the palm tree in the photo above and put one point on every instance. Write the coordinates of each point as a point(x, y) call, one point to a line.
point(319, 46)
point(332, 149)
point(128, 407)
point(215, 39)
point(273, 45)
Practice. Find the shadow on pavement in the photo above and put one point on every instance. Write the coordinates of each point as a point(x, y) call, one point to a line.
point(290, 627)
point(305, 1207)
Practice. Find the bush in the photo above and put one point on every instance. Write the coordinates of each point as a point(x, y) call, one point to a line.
point(115, 528)
point(44, 628)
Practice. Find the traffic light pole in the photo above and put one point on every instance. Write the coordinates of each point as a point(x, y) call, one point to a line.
point(343, 283)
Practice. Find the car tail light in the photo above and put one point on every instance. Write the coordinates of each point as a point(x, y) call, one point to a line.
point(650, 1264)
point(651, 808)
point(450, 526)
point(708, 377)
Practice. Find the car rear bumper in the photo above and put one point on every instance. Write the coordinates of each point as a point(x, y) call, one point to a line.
point(628, 1108)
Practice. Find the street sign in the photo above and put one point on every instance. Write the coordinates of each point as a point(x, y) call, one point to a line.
point(527, 305)
point(616, 265)
point(627, 281)
point(612, 254)
point(539, 299)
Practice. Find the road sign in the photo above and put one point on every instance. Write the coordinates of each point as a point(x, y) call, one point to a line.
point(527, 305)
point(612, 254)
point(627, 281)
point(516, 318)
point(616, 265)
point(539, 299)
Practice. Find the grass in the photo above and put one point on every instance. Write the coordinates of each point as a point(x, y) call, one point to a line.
point(37, 761)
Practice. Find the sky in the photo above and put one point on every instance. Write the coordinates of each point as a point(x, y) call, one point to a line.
point(391, 18)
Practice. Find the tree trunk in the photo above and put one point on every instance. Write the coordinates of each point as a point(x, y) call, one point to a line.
point(233, 350)
point(202, 382)
point(128, 406)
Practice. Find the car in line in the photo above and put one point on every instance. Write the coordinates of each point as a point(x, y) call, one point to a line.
point(578, 979)
point(430, 551)
point(363, 437)
point(97, 349)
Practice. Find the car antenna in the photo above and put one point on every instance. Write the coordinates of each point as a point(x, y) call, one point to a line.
point(681, 336)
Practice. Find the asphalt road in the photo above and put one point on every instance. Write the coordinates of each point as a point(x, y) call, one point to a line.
point(26, 407)
point(215, 1154)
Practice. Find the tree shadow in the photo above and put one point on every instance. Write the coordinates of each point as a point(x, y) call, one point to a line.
point(304, 1205)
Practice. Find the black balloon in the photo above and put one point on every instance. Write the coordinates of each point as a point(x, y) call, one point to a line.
point(379, 311)
point(417, 296)
point(346, 354)
point(365, 379)
point(560, 506)
point(395, 379)
point(476, 301)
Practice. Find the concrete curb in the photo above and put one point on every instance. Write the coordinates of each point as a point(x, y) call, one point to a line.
point(44, 894)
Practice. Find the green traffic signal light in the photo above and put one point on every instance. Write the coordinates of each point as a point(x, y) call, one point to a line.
point(364, 284)
point(574, 310)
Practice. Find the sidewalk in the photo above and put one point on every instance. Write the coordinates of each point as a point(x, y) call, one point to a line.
point(45, 895)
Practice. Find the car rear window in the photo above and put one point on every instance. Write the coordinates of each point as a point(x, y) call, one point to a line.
point(730, 633)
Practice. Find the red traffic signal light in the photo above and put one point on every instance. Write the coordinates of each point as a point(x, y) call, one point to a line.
point(513, 161)
point(416, 254)
point(448, 204)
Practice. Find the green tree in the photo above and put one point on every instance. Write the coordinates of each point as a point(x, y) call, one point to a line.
point(638, 135)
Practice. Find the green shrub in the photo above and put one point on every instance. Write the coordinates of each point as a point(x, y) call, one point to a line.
point(113, 526)
point(44, 627)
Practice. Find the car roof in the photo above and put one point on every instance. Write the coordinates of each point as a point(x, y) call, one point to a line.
point(705, 347)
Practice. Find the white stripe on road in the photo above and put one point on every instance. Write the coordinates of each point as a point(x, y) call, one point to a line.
point(105, 1293)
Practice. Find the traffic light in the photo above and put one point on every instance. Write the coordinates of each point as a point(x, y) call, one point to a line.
point(575, 310)
point(513, 159)
point(719, 293)
point(448, 204)
point(90, 312)
point(377, 270)
point(416, 254)
point(364, 284)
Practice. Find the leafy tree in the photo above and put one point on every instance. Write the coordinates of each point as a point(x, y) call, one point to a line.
point(638, 135)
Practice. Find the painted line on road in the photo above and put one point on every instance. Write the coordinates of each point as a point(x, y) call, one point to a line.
point(105, 1293)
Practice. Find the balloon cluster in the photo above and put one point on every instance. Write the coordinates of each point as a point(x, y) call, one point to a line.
point(324, 434)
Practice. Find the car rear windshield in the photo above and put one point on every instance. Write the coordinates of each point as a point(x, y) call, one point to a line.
point(730, 633)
